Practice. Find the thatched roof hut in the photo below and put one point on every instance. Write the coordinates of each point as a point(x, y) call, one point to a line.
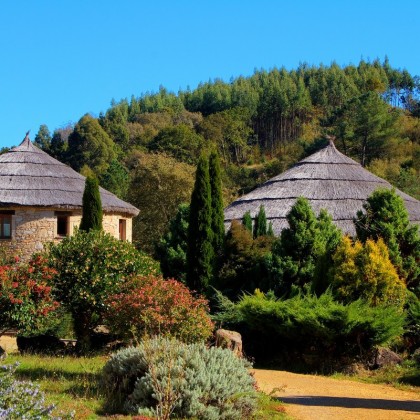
point(30, 177)
point(329, 180)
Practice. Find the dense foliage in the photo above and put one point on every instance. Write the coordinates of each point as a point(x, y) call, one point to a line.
point(90, 266)
point(164, 377)
point(159, 185)
point(365, 271)
point(150, 305)
point(172, 247)
point(246, 262)
point(217, 216)
point(386, 217)
point(302, 253)
point(259, 125)
point(308, 324)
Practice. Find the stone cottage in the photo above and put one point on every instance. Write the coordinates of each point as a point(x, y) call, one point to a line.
point(41, 201)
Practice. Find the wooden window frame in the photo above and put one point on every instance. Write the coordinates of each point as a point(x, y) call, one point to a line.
point(6, 218)
point(122, 229)
point(65, 217)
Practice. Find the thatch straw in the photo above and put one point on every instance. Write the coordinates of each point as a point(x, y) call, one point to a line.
point(30, 177)
point(329, 180)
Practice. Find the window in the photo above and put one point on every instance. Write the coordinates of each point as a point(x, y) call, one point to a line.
point(5, 226)
point(62, 223)
point(122, 227)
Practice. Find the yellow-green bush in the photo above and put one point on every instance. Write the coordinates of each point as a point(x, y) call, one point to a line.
point(365, 271)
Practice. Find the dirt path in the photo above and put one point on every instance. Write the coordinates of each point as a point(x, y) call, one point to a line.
point(316, 397)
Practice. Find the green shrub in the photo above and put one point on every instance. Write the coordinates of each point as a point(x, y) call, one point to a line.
point(365, 271)
point(90, 267)
point(307, 323)
point(161, 377)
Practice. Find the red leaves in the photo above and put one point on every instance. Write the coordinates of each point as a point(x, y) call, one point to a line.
point(25, 295)
point(152, 305)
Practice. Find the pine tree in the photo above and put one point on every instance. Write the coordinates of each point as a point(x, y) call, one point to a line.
point(302, 253)
point(92, 206)
point(270, 230)
point(217, 213)
point(247, 220)
point(200, 253)
point(260, 223)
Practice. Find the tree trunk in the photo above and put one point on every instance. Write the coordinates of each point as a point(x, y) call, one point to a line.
point(82, 329)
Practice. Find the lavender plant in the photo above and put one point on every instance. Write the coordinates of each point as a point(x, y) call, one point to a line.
point(164, 378)
point(21, 399)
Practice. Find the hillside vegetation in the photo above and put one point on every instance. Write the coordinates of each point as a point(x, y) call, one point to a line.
point(144, 149)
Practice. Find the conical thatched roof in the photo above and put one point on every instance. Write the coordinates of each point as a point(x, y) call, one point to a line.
point(31, 177)
point(329, 180)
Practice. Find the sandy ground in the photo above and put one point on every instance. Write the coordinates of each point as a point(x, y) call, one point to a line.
point(8, 343)
point(317, 397)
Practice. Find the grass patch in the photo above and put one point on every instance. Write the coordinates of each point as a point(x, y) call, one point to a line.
point(403, 376)
point(68, 382)
point(270, 407)
point(71, 383)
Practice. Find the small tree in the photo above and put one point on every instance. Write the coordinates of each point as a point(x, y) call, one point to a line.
point(260, 223)
point(200, 255)
point(303, 249)
point(365, 271)
point(246, 262)
point(90, 267)
point(386, 217)
point(247, 220)
point(92, 206)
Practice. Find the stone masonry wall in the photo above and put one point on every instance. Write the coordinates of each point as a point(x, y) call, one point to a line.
point(33, 227)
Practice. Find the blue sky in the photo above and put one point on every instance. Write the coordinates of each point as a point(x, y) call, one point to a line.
point(61, 59)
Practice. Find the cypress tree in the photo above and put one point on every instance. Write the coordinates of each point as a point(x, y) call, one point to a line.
point(92, 206)
point(270, 231)
point(247, 221)
point(217, 213)
point(200, 254)
point(260, 224)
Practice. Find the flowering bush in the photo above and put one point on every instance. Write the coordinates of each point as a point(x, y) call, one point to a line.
point(90, 267)
point(26, 302)
point(151, 305)
point(19, 399)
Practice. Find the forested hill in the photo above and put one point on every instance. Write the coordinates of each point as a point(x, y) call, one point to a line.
point(144, 149)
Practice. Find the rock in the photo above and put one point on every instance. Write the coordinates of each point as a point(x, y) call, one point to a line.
point(231, 340)
point(385, 357)
point(3, 353)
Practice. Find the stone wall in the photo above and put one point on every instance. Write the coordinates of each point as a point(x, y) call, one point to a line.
point(33, 227)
